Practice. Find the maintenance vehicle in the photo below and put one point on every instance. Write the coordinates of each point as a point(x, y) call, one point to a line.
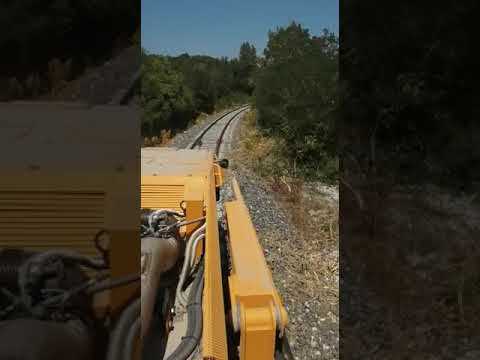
point(98, 262)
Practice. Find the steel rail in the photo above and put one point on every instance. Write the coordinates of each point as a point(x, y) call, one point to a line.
point(220, 138)
point(283, 351)
point(199, 137)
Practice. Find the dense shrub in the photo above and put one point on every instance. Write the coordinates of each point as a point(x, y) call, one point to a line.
point(296, 96)
point(166, 100)
point(409, 76)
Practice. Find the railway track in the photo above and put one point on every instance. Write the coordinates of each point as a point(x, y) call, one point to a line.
point(212, 137)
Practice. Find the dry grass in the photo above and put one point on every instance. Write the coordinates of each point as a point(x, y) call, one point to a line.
point(263, 154)
point(312, 260)
point(201, 118)
point(166, 135)
point(316, 223)
point(304, 265)
point(422, 264)
point(162, 140)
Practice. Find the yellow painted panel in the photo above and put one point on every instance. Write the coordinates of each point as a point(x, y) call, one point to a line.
point(161, 196)
point(214, 341)
point(125, 260)
point(257, 310)
point(38, 220)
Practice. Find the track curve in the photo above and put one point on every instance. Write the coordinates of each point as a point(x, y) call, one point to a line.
point(211, 137)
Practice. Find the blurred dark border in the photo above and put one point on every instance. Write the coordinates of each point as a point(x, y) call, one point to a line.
point(46, 44)
point(69, 189)
point(409, 208)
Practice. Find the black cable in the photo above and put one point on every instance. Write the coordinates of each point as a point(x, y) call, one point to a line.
point(130, 342)
point(109, 284)
point(125, 325)
point(194, 320)
point(90, 287)
point(33, 269)
point(67, 294)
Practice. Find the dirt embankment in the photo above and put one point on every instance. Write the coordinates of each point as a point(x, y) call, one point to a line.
point(95, 85)
point(99, 85)
point(411, 274)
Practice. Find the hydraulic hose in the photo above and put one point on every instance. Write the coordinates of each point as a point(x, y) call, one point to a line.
point(194, 250)
point(109, 283)
point(186, 263)
point(132, 334)
point(194, 320)
point(129, 320)
point(28, 276)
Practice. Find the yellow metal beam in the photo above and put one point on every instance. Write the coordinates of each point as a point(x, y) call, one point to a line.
point(257, 311)
point(214, 340)
point(219, 175)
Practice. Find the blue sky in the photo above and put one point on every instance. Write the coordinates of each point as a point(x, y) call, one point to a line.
point(217, 28)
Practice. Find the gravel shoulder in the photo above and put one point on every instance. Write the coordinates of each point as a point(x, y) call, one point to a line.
point(298, 229)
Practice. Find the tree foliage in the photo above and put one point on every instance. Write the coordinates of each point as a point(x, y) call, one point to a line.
point(176, 89)
point(296, 95)
point(294, 87)
point(166, 100)
point(244, 68)
point(408, 104)
point(207, 77)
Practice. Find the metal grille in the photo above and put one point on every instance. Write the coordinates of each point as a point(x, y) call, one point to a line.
point(162, 196)
point(41, 220)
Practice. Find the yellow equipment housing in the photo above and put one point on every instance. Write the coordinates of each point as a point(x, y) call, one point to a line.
point(189, 178)
point(67, 173)
point(80, 182)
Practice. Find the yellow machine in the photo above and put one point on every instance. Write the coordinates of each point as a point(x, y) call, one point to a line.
point(69, 238)
point(90, 272)
point(241, 313)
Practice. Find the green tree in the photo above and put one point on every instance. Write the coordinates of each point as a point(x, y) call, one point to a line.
point(166, 100)
point(176, 89)
point(296, 96)
point(244, 68)
point(287, 44)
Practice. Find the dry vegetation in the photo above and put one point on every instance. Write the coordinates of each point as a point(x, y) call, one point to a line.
point(263, 154)
point(162, 140)
point(418, 275)
point(304, 262)
point(166, 135)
